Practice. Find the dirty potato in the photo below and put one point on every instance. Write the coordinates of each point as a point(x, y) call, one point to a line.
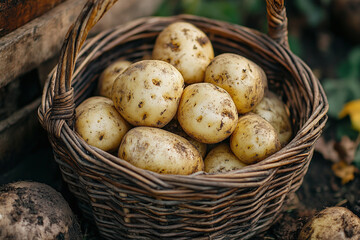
point(207, 113)
point(243, 79)
point(273, 110)
point(254, 139)
point(148, 92)
point(221, 159)
point(32, 210)
point(174, 127)
point(332, 223)
point(160, 151)
point(187, 48)
point(108, 77)
point(99, 124)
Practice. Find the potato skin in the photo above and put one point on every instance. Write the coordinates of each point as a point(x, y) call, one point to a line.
point(187, 48)
point(99, 124)
point(160, 151)
point(241, 78)
point(174, 127)
point(332, 223)
point(254, 139)
point(148, 92)
point(109, 75)
point(207, 113)
point(221, 159)
point(273, 110)
point(32, 210)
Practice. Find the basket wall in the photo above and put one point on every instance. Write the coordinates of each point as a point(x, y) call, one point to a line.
point(129, 203)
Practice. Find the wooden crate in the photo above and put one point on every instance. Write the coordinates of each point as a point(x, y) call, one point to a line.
point(15, 13)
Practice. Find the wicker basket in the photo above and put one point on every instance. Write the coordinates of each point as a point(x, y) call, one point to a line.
point(126, 202)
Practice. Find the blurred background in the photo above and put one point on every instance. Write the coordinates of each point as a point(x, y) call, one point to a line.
point(324, 33)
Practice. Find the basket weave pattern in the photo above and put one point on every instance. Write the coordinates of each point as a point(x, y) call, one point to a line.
point(126, 202)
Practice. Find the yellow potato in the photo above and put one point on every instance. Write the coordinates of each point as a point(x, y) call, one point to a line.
point(244, 80)
point(109, 75)
point(254, 139)
point(160, 151)
point(332, 223)
point(273, 110)
point(174, 127)
point(187, 48)
point(221, 159)
point(99, 124)
point(207, 113)
point(148, 92)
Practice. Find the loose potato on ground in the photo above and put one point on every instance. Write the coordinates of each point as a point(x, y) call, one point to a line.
point(207, 113)
point(174, 127)
point(221, 159)
point(148, 92)
point(332, 223)
point(273, 110)
point(243, 79)
point(254, 139)
point(187, 48)
point(160, 151)
point(99, 124)
point(31, 210)
point(108, 77)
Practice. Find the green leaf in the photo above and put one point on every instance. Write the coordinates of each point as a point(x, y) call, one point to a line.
point(347, 87)
point(351, 67)
point(337, 95)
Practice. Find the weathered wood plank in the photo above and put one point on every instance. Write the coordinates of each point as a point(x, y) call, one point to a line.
point(26, 47)
point(15, 13)
point(17, 133)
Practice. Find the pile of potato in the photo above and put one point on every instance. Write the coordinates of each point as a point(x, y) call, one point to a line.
point(185, 110)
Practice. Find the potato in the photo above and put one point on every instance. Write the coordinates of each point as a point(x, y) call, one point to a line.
point(187, 48)
point(332, 223)
point(174, 127)
point(108, 77)
point(99, 124)
point(160, 151)
point(207, 113)
point(273, 110)
point(254, 139)
point(31, 210)
point(221, 159)
point(148, 92)
point(243, 79)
